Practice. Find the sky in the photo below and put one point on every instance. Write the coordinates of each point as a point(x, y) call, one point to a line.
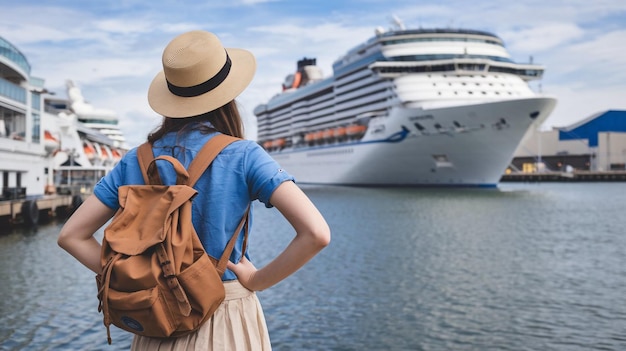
point(112, 49)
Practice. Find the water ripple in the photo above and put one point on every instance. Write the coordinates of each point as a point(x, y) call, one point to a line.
point(527, 267)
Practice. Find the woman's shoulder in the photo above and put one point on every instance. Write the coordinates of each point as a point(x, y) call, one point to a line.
point(243, 145)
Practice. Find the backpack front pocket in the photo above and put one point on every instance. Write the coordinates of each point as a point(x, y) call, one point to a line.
point(144, 312)
point(204, 287)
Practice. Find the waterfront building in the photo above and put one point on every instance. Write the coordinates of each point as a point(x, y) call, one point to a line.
point(596, 143)
point(23, 162)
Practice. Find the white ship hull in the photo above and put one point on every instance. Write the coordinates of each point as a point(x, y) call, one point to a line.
point(473, 147)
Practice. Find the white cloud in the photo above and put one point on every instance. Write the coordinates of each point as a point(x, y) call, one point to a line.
point(114, 55)
point(543, 37)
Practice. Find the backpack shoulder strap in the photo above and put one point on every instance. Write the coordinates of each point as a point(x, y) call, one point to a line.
point(145, 156)
point(199, 164)
point(221, 265)
point(206, 155)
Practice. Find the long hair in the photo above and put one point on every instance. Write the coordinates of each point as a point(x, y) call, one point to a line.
point(225, 119)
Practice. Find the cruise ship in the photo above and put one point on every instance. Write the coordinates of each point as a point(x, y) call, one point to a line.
point(408, 107)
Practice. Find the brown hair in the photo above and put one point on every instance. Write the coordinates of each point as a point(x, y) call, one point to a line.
point(225, 119)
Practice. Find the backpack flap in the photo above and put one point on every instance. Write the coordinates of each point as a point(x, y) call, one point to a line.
point(144, 212)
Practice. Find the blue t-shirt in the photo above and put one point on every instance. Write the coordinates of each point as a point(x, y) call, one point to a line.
point(241, 173)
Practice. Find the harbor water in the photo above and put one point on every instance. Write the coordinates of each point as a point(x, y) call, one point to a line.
point(523, 267)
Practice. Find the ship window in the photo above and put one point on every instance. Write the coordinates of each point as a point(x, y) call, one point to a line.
point(419, 126)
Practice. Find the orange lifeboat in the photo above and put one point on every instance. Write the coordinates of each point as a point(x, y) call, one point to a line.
point(105, 152)
point(50, 142)
point(328, 134)
point(318, 136)
point(267, 145)
point(89, 150)
point(116, 155)
point(355, 130)
point(339, 132)
point(309, 138)
point(279, 143)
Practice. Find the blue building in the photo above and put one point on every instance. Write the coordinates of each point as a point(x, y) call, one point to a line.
point(596, 143)
point(590, 128)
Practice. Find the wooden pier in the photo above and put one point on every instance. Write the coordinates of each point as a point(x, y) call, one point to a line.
point(29, 210)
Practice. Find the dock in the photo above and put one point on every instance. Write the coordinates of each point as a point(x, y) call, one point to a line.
point(30, 210)
point(575, 176)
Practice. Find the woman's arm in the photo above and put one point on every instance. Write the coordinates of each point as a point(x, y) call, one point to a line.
point(76, 236)
point(312, 235)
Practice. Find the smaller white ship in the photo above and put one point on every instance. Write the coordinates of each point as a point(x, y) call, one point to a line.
point(83, 142)
point(102, 120)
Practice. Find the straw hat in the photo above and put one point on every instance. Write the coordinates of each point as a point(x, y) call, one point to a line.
point(199, 75)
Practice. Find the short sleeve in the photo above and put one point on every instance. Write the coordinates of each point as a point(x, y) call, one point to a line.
point(106, 190)
point(263, 174)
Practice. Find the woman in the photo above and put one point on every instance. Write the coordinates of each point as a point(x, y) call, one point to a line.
point(195, 93)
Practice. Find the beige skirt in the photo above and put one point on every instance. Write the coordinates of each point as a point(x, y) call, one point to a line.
point(238, 324)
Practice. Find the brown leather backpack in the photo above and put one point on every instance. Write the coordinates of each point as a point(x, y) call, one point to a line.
point(156, 279)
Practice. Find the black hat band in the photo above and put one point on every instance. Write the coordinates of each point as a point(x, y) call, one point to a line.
point(203, 87)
